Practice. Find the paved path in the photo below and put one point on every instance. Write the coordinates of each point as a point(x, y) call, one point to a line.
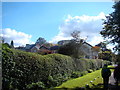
point(112, 85)
point(112, 80)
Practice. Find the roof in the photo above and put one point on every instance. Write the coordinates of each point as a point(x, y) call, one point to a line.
point(96, 48)
point(42, 46)
point(54, 48)
point(20, 47)
point(88, 44)
point(29, 46)
point(32, 46)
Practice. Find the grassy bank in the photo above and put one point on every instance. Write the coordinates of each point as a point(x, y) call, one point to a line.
point(94, 80)
point(90, 79)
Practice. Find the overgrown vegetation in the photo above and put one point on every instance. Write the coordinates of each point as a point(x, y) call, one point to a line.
point(24, 70)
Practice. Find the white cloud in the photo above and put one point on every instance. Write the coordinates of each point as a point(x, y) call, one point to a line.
point(19, 38)
point(89, 26)
point(95, 40)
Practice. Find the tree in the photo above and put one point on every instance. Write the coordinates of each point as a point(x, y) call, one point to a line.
point(102, 45)
point(114, 57)
point(76, 35)
point(40, 41)
point(111, 28)
point(106, 55)
point(73, 47)
point(12, 44)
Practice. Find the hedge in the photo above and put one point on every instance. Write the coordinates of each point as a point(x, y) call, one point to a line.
point(24, 70)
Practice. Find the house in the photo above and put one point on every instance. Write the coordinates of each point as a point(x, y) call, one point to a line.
point(44, 50)
point(20, 48)
point(32, 47)
point(95, 52)
point(89, 51)
point(86, 49)
point(41, 46)
point(37, 48)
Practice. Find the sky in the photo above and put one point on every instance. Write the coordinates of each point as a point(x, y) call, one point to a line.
point(25, 22)
point(58, 0)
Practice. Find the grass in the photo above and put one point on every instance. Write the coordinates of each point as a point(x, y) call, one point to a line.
point(91, 79)
point(94, 80)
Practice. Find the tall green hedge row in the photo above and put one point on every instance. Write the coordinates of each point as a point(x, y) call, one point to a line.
point(24, 70)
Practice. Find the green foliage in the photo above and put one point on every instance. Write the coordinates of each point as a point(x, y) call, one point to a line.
point(72, 49)
point(75, 74)
point(7, 67)
point(6, 45)
point(83, 81)
point(83, 73)
point(106, 55)
point(35, 86)
point(24, 70)
point(118, 58)
point(40, 41)
point(12, 44)
point(111, 28)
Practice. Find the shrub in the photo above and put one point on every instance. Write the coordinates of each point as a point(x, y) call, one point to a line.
point(83, 73)
point(75, 74)
point(24, 70)
point(36, 86)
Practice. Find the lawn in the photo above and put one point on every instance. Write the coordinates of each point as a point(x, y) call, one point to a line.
point(91, 79)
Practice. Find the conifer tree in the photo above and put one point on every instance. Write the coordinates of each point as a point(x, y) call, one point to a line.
point(12, 44)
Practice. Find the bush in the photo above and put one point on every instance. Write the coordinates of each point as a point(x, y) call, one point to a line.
point(36, 86)
point(83, 73)
point(75, 75)
point(24, 70)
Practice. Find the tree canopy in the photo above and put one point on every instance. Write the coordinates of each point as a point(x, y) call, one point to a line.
point(73, 47)
point(40, 41)
point(76, 35)
point(12, 44)
point(111, 28)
